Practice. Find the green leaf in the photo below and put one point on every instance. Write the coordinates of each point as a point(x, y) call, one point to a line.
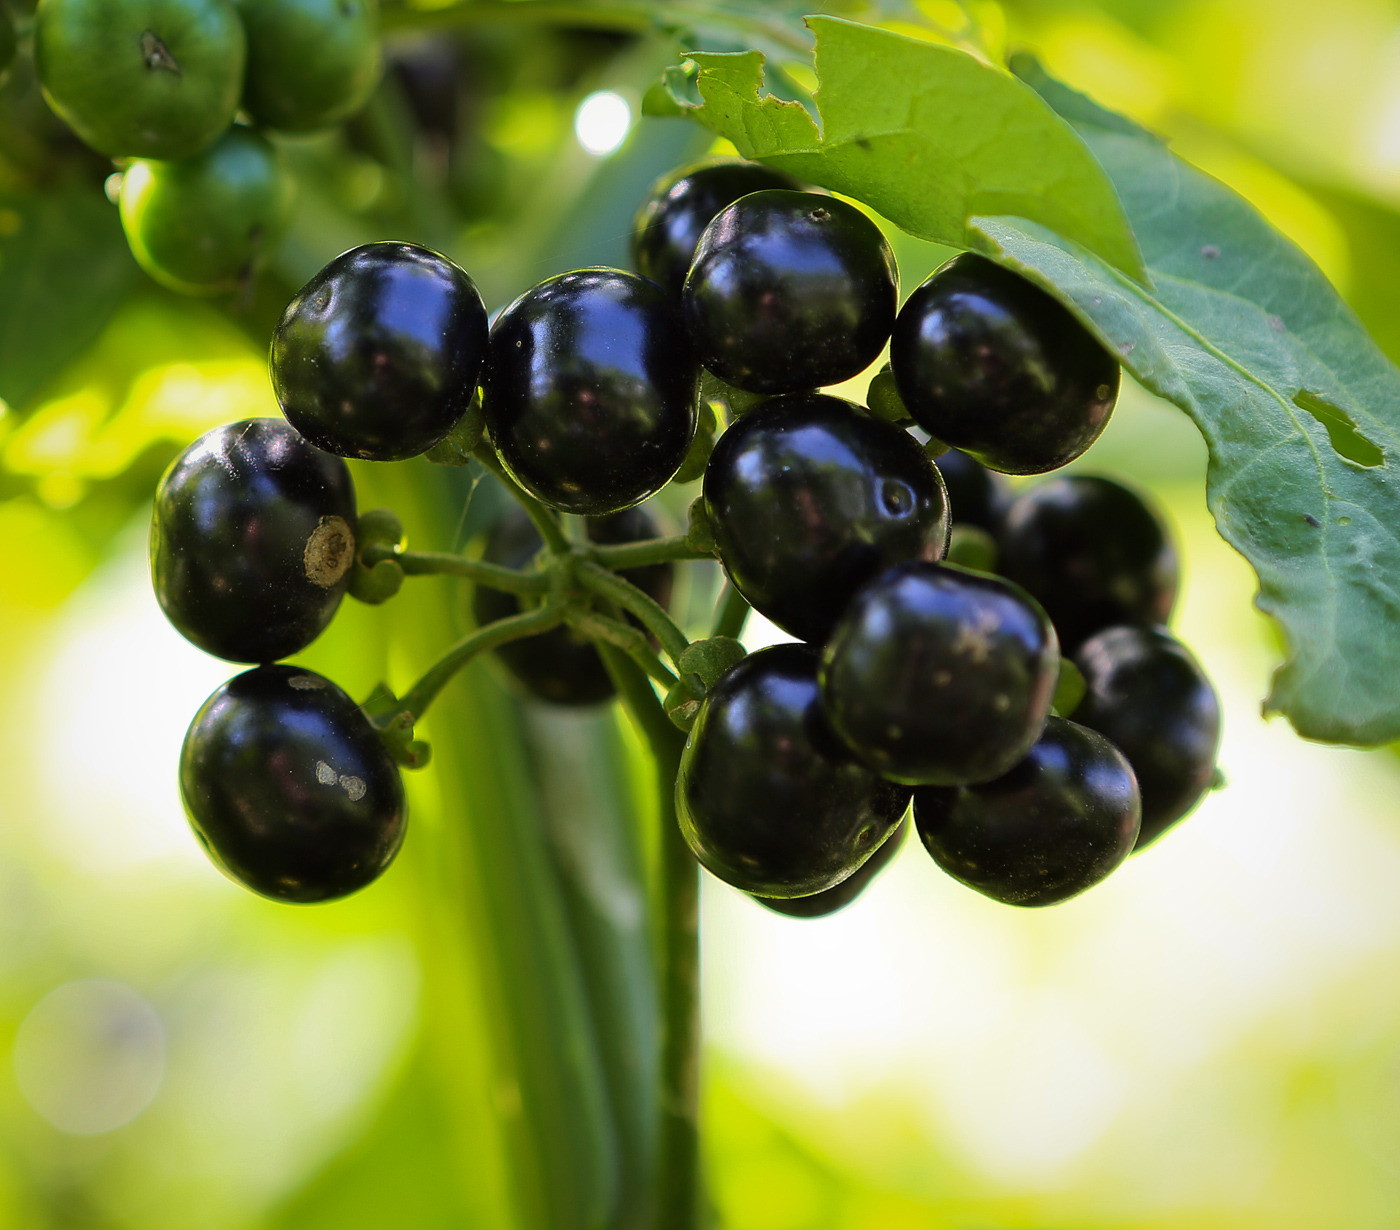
point(1298, 406)
point(64, 269)
point(928, 135)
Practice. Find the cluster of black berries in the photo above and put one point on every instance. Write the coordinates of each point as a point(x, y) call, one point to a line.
point(159, 82)
point(915, 676)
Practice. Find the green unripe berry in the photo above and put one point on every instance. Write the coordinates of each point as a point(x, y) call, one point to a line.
point(200, 226)
point(141, 78)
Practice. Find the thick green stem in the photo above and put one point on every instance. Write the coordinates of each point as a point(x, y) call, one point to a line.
point(643, 606)
point(545, 521)
point(432, 563)
point(648, 551)
point(632, 641)
point(679, 1189)
point(417, 699)
point(732, 612)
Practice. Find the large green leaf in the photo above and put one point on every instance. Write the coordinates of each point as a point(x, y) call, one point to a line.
point(928, 135)
point(1299, 408)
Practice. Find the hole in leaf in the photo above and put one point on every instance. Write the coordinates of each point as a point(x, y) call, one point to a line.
point(1346, 440)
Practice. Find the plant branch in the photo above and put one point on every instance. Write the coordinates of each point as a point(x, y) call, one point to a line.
point(733, 610)
point(431, 563)
point(643, 606)
point(632, 641)
point(545, 521)
point(648, 551)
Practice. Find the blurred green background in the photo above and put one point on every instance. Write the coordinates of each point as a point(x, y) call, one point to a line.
point(1211, 1039)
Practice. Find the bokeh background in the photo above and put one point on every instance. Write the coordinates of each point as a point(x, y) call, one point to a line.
point(1210, 1039)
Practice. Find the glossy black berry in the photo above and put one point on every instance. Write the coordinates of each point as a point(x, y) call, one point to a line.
point(679, 208)
point(790, 291)
point(252, 539)
point(976, 495)
point(1053, 826)
point(937, 675)
point(560, 666)
point(809, 499)
point(1148, 694)
point(589, 391)
point(378, 355)
point(289, 788)
point(1093, 553)
point(767, 797)
point(829, 900)
point(988, 362)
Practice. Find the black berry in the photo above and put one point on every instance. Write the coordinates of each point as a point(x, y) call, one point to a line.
point(252, 540)
point(680, 207)
point(809, 499)
point(289, 787)
point(936, 675)
point(829, 900)
point(589, 391)
point(768, 798)
point(1148, 694)
point(989, 363)
point(1056, 824)
point(1093, 553)
point(976, 495)
point(378, 355)
point(790, 291)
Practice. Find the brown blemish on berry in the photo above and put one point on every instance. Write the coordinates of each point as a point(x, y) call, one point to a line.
point(329, 552)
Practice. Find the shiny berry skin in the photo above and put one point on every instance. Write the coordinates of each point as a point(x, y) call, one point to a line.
point(976, 495)
point(252, 540)
point(589, 391)
point(1148, 694)
point(767, 797)
point(141, 78)
point(311, 63)
point(989, 363)
point(289, 788)
point(679, 208)
point(1093, 553)
point(809, 499)
point(936, 675)
point(378, 355)
point(828, 901)
point(202, 225)
point(1056, 824)
point(559, 666)
point(790, 291)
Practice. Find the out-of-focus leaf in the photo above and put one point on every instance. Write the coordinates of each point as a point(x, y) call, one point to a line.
point(64, 269)
point(928, 135)
point(1298, 406)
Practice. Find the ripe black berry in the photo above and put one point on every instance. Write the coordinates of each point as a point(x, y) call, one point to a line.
point(829, 900)
point(809, 498)
point(560, 666)
point(1053, 826)
point(1093, 553)
point(378, 355)
point(289, 787)
point(252, 540)
point(767, 797)
point(989, 363)
point(1148, 694)
point(589, 391)
point(680, 207)
point(976, 495)
point(936, 675)
point(790, 291)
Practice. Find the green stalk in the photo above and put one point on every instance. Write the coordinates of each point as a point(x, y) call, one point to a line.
point(679, 1186)
point(630, 640)
point(731, 613)
point(545, 521)
point(648, 551)
point(436, 563)
point(642, 605)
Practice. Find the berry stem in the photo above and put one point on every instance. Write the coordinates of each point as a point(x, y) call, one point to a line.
point(545, 521)
point(678, 1203)
point(732, 612)
point(649, 551)
point(430, 563)
point(643, 606)
point(417, 699)
point(630, 640)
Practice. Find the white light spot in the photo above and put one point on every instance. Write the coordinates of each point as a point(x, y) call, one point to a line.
point(90, 1055)
point(602, 122)
point(325, 774)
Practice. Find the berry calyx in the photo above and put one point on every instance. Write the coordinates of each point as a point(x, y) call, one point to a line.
point(808, 499)
point(289, 788)
point(252, 541)
point(1053, 826)
point(937, 675)
point(378, 355)
point(790, 291)
point(989, 363)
